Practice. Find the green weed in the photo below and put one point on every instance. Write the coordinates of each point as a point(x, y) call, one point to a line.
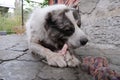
point(9, 23)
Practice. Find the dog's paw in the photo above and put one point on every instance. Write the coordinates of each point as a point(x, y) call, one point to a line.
point(71, 60)
point(56, 59)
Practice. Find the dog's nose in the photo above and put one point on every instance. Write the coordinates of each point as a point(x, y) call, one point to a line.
point(83, 41)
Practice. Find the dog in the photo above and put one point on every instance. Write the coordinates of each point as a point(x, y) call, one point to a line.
point(50, 28)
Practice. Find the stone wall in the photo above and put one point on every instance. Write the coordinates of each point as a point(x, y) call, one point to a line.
point(101, 20)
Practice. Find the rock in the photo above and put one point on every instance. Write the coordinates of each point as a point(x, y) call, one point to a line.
point(101, 21)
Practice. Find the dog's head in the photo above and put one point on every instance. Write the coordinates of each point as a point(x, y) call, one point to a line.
point(63, 26)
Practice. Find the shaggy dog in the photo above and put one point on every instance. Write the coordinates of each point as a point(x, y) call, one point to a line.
point(53, 28)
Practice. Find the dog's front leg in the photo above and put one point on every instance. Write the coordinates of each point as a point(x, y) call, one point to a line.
point(54, 59)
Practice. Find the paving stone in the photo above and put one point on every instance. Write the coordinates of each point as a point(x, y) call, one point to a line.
point(21, 46)
point(91, 4)
point(10, 41)
point(88, 52)
point(19, 70)
point(8, 55)
point(101, 46)
point(51, 73)
point(29, 57)
point(101, 20)
point(111, 52)
point(114, 59)
point(57, 73)
point(115, 67)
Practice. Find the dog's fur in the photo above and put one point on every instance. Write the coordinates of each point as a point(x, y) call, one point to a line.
point(48, 29)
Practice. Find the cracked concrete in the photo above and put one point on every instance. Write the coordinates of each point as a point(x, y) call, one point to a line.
point(17, 63)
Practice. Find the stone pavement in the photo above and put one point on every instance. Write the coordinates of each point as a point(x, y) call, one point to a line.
point(16, 63)
point(101, 20)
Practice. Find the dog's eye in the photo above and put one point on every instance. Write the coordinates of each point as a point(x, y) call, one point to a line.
point(69, 32)
point(76, 14)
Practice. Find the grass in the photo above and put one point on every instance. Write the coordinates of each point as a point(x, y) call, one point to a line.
point(10, 24)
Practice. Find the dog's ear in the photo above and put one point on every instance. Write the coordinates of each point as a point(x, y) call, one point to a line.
point(49, 17)
point(48, 21)
point(55, 15)
point(77, 16)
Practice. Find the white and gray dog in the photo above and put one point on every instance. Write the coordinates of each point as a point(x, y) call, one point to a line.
point(50, 28)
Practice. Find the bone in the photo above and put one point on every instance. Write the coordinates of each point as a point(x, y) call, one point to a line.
point(64, 49)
